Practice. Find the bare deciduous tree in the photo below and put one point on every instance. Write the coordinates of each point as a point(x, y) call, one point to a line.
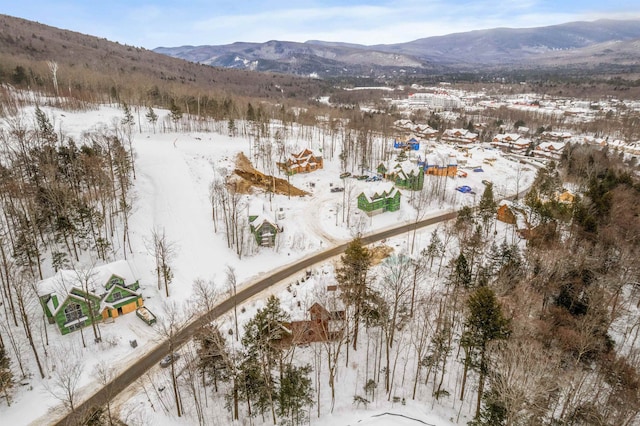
point(526, 377)
point(65, 376)
point(172, 322)
point(163, 252)
point(232, 284)
point(104, 374)
point(53, 67)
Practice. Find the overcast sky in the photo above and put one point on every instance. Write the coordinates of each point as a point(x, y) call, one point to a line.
point(155, 23)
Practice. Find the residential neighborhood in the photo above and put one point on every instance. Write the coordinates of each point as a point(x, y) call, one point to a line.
point(193, 244)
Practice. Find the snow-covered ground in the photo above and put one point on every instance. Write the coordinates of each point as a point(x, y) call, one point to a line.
point(173, 174)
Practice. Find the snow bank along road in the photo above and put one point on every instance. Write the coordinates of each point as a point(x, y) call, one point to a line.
point(135, 371)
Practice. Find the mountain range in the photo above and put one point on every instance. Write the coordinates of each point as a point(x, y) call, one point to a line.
point(609, 46)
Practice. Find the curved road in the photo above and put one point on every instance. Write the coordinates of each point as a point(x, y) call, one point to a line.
point(135, 371)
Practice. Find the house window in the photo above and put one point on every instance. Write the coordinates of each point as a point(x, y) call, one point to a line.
point(72, 312)
point(115, 281)
point(116, 295)
point(75, 326)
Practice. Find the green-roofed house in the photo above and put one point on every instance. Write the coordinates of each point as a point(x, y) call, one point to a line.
point(373, 203)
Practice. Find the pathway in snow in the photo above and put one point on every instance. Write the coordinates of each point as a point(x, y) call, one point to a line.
point(314, 222)
point(173, 189)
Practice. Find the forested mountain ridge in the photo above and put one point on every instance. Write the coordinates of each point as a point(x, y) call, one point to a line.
point(490, 50)
point(90, 65)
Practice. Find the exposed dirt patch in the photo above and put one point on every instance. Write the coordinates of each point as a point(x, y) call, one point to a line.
point(380, 253)
point(248, 178)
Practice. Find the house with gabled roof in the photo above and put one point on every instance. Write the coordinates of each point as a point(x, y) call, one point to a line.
point(305, 161)
point(409, 144)
point(264, 230)
point(404, 174)
point(439, 165)
point(555, 136)
point(462, 136)
point(375, 202)
point(323, 325)
point(72, 299)
point(506, 215)
point(510, 142)
point(262, 224)
point(552, 150)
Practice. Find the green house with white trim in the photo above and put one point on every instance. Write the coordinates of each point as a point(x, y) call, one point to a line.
point(263, 230)
point(404, 174)
point(377, 202)
point(75, 299)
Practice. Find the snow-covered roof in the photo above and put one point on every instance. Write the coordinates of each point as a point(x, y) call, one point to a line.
point(551, 146)
point(506, 137)
point(259, 213)
point(259, 220)
point(64, 280)
point(372, 195)
point(406, 166)
point(439, 158)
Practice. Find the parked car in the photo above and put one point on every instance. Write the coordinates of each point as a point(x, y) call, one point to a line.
point(344, 175)
point(465, 189)
point(169, 359)
point(337, 189)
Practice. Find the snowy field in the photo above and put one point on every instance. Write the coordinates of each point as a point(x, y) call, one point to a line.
point(173, 174)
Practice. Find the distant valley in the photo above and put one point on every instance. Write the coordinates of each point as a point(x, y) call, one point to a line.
point(605, 46)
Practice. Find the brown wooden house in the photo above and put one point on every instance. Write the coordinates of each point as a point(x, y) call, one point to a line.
point(506, 215)
point(303, 162)
point(323, 325)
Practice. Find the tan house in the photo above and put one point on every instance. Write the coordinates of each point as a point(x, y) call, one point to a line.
point(462, 136)
point(303, 162)
point(552, 150)
point(510, 142)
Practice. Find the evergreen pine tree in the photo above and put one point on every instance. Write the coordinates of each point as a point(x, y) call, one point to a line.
point(487, 206)
point(152, 118)
point(175, 112)
point(461, 276)
point(46, 132)
point(127, 120)
point(295, 393)
point(484, 323)
point(262, 336)
point(352, 277)
point(6, 376)
point(251, 114)
point(435, 247)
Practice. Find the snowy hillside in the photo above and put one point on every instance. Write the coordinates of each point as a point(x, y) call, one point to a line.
point(171, 193)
